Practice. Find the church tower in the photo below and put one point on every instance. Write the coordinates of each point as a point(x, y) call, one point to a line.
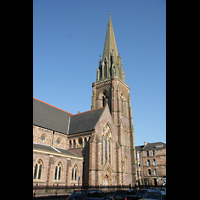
point(110, 88)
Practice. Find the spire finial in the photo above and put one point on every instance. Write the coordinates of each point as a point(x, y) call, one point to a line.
point(109, 12)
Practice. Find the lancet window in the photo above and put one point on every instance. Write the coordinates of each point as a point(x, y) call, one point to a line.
point(75, 173)
point(106, 145)
point(38, 170)
point(57, 175)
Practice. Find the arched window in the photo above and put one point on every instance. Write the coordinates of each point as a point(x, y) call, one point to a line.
point(106, 144)
point(102, 150)
point(109, 151)
point(80, 140)
point(106, 147)
point(75, 173)
point(38, 168)
point(105, 99)
point(58, 172)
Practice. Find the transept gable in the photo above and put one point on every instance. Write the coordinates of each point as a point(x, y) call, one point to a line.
point(106, 118)
point(85, 121)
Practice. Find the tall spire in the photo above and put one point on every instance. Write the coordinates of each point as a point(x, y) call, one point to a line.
point(111, 64)
point(110, 46)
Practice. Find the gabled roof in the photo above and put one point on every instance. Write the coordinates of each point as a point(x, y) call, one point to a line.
point(139, 148)
point(56, 119)
point(50, 117)
point(151, 146)
point(85, 121)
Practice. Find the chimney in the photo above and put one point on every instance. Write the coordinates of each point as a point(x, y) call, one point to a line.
point(145, 143)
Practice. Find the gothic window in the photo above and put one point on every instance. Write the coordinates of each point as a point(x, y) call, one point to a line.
point(80, 141)
point(102, 149)
point(75, 173)
point(58, 169)
point(38, 170)
point(109, 151)
point(106, 145)
point(105, 98)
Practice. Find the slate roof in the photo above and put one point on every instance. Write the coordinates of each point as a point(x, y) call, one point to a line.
point(86, 121)
point(151, 146)
point(50, 149)
point(50, 117)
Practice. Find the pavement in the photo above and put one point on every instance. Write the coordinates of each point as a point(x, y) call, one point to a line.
point(58, 197)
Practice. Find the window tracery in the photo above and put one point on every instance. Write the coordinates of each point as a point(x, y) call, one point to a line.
point(58, 172)
point(106, 145)
point(38, 170)
point(75, 173)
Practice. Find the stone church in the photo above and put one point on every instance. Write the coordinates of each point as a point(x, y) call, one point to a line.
point(93, 148)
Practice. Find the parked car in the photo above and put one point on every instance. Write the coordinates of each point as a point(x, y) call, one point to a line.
point(163, 190)
point(88, 195)
point(152, 195)
point(125, 195)
point(141, 192)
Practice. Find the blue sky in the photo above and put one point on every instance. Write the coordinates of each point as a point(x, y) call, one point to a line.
point(69, 36)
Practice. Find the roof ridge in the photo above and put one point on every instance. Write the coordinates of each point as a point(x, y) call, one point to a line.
point(52, 106)
point(88, 111)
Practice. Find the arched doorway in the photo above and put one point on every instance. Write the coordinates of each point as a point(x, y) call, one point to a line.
point(106, 180)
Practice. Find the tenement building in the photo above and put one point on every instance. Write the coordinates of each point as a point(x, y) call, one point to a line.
point(151, 163)
point(93, 148)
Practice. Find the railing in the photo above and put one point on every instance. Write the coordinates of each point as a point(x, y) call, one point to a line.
point(59, 189)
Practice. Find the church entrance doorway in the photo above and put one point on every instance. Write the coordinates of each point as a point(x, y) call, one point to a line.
point(106, 180)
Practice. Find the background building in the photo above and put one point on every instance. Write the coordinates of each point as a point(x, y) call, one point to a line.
point(151, 163)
